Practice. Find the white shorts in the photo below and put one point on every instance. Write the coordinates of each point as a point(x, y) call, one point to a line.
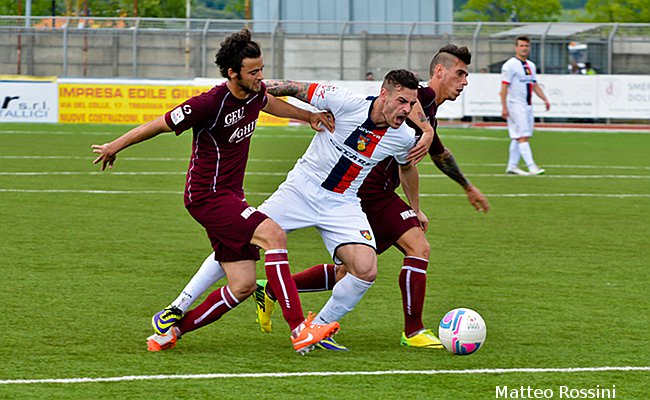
point(520, 120)
point(300, 202)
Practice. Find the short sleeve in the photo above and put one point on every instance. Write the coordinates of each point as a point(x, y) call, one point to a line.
point(506, 73)
point(328, 97)
point(190, 113)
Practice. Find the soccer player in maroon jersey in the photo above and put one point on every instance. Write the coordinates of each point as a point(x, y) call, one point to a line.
point(394, 222)
point(223, 120)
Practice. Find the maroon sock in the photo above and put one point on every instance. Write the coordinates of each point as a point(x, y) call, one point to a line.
point(413, 283)
point(283, 287)
point(318, 278)
point(213, 307)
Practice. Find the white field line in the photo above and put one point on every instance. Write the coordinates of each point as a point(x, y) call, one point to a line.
point(291, 160)
point(90, 158)
point(266, 194)
point(260, 173)
point(263, 131)
point(121, 173)
point(328, 373)
point(612, 131)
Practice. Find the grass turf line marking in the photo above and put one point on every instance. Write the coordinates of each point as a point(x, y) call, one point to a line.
point(292, 160)
point(260, 173)
point(325, 373)
point(266, 194)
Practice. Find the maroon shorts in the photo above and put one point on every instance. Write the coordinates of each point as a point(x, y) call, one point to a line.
point(390, 217)
point(230, 223)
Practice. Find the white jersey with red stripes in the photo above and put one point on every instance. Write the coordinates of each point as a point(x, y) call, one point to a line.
point(520, 77)
point(340, 161)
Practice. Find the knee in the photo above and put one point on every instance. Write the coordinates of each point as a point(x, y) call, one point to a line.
point(367, 273)
point(419, 248)
point(242, 290)
point(277, 238)
point(424, 249)
point(270, 236)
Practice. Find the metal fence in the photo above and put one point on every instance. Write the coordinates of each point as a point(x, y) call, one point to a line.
point(331, 50)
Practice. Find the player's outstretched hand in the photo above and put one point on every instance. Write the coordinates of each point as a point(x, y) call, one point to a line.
point(477, 200)
point(106, 156)
point(420, 150)
point(322, 120)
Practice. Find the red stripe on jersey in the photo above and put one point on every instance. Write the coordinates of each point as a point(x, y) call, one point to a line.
point(506, 82)
point(310, 91)
point(349, 177)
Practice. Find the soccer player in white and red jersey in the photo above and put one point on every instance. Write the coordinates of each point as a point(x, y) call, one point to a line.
point(394, 222)
point(518, 83)
point(321, 189)
point(223, 120)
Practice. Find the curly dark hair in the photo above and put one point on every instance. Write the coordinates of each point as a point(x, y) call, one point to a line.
point(400, 77)
point(234, 49)
point(447, 56)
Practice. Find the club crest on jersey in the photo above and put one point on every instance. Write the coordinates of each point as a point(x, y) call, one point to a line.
point(366, 234)
point(362, 143)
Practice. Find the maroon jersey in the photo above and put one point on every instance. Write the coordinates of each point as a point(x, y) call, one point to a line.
point(385, 175)
point(222, 126)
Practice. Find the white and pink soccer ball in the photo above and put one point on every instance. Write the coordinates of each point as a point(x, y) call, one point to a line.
point(462, 331)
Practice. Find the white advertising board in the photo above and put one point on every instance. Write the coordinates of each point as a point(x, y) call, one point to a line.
point(29, 101)
point(571, 96)
point(624, 96)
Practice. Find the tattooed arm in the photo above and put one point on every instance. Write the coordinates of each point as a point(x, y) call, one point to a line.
point(446, 163)
point(299, 90)
point(420, 120)
point(296, 89)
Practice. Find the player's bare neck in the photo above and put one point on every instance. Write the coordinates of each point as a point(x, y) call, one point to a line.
point(377, 115)
point(236, 90)
point(435, 85)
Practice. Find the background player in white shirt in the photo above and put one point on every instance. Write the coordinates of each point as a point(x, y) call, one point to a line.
point(518, 83)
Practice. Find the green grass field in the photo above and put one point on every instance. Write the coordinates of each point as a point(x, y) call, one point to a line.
point(558, 269)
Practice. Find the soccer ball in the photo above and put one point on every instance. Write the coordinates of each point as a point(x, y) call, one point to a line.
point(462, 331)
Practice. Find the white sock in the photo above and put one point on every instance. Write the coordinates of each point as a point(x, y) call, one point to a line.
point(526, 154)
point(513, 160)
point(346, 294)
point(209, 273)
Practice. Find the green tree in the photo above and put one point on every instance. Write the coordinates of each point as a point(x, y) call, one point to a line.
point(39, 7)
point(511, 10)
point(619, 11)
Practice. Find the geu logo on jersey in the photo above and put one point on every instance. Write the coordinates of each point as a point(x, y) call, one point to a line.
point(234, 117)
point(366, 234)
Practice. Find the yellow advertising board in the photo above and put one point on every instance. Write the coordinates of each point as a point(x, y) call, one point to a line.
point(91, 103)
